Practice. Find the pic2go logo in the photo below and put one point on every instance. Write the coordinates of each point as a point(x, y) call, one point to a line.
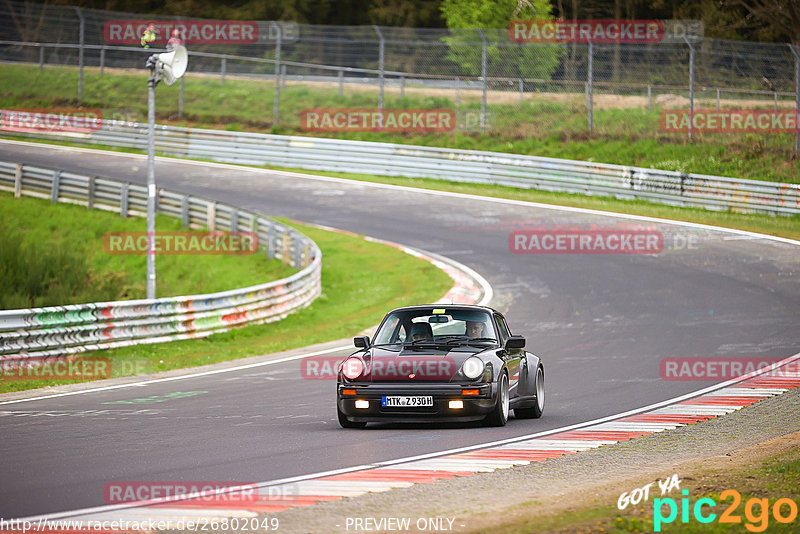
point(756, 511)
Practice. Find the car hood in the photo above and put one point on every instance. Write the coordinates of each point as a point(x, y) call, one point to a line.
point(416, 364)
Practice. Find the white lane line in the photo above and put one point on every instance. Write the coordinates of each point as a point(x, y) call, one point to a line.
point(696, 410)
point(484, 466)
point(181, 377)
point(531, 438)
point(433, 192)
point(442, 262)
point(368, 485)
point(569, 445)
point(170, 513)
point(746, 392)
point(635, 427)
point(444, 468)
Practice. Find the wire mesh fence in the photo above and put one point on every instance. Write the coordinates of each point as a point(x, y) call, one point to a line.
point(490, 83)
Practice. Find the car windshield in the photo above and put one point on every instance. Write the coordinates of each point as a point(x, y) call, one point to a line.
point(436, 325)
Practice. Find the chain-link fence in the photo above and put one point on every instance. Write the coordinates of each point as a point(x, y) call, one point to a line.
point(490, 84)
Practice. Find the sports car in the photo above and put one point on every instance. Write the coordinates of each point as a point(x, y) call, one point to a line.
point(440, 363)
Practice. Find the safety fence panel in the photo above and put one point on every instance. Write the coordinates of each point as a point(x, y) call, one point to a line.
point(62, 330)
point(386, 159)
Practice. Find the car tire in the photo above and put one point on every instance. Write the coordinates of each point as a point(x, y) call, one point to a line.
point(499, 416)
point(346, 423)
point(535, 411)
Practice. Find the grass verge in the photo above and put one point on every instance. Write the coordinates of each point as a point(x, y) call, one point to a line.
point(760, 485)
point(355, 296)
point(542, 124)
point(53, 254)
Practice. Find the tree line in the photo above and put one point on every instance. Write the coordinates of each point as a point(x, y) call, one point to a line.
point(752, 20)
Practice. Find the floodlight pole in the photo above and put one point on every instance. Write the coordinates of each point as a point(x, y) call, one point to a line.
point(155, 64)
point(151, 178)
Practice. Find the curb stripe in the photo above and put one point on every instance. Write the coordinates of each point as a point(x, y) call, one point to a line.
point(278, 497)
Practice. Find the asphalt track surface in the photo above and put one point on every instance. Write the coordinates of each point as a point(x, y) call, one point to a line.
point(601, 322)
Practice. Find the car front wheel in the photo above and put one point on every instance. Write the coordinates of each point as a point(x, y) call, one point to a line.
point(535, 411)
point(499, 415)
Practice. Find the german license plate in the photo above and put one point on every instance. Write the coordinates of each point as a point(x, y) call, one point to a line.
point(415, 401)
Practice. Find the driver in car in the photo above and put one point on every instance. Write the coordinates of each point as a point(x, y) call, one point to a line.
point(475, 329)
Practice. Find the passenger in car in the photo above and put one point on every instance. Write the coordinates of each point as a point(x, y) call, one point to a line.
point(421, 332)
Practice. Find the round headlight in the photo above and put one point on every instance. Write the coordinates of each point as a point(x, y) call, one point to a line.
point(352, 368)
point(473, 367)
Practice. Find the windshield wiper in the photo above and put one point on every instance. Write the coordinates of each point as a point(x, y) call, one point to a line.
point(451, 339)
point(482, 340)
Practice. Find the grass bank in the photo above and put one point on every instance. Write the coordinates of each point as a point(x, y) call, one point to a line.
point(355, 296)
point(53, 254)
point(747, 491)
point(541, 124)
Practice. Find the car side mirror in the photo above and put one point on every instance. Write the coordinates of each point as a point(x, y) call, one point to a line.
point(362, 342)
point(515, 342)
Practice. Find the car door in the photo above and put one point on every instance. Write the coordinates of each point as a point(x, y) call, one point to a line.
point(512, 357)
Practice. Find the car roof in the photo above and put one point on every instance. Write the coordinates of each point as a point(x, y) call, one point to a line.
point(448, 306)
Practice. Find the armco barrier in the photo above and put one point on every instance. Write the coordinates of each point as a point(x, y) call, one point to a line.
point(62, 330)
point(529, 172)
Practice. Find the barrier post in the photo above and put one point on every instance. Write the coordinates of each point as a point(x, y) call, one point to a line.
point(185, 212)
point(123, 200)
point(55, 186)
point(90, 194)
point(18, 181)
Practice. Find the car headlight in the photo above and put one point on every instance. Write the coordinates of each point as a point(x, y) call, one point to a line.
point(473, 367)
point(352, 368)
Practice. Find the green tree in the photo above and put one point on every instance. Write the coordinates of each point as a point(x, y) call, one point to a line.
point(504, 57)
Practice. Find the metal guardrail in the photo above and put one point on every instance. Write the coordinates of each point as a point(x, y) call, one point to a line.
point(385, 159)
point(62, 330)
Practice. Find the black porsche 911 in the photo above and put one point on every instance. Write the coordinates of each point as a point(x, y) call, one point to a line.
point(440, 363)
